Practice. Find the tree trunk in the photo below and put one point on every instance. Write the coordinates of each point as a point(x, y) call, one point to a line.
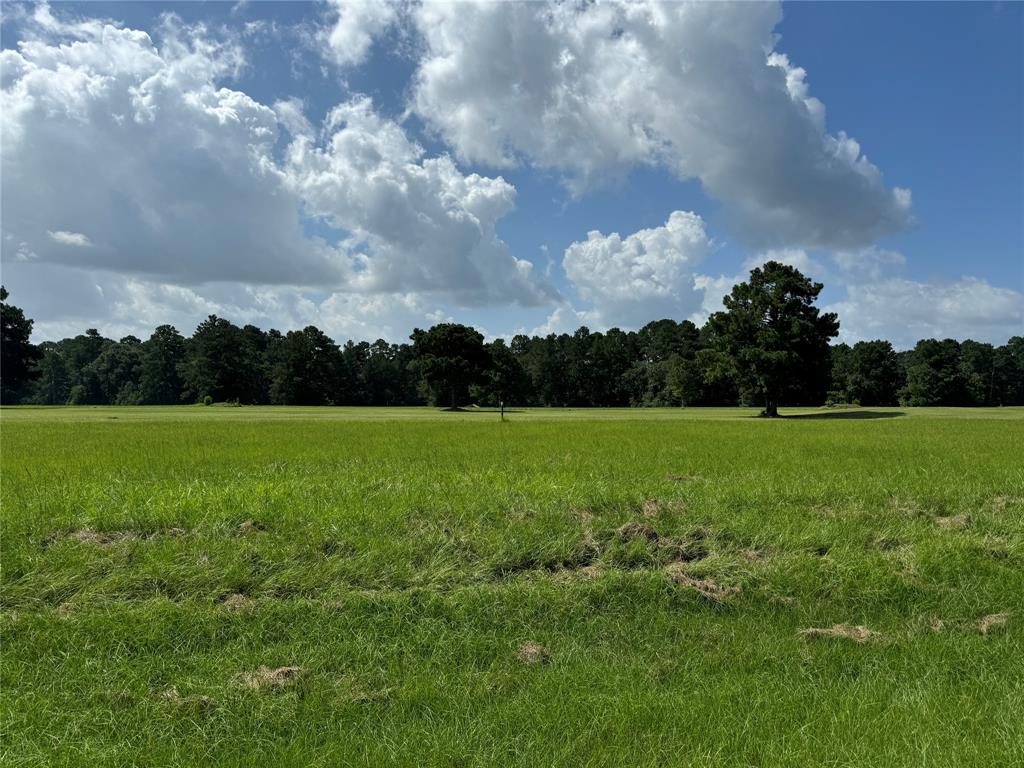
point(771, 406)
point(454, 405)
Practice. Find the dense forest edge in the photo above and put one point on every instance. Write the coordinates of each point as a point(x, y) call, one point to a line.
point(770, 346)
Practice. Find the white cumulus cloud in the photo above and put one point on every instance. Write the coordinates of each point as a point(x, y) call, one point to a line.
point(905, 311)
point(644, 276)
point(76, 239)
point(593, 90)
point(136, 145)
point(126, 153)
point(355, 25)
point(426, 225)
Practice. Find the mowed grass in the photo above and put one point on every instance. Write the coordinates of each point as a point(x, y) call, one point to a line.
point(243, 586)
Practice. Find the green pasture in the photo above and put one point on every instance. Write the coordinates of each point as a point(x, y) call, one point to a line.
point(248, 586)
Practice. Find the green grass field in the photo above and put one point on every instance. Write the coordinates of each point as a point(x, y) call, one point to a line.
point(333, 587)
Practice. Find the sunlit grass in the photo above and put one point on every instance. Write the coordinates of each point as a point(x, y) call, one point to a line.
point(154, 559)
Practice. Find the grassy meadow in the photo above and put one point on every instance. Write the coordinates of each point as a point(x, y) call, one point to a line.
point(334, 587)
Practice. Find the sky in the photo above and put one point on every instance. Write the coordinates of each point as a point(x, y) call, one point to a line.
point(370, 168)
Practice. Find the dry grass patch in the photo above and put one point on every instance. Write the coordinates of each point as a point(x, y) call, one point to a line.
point(590, 543)
point(636, 532)
point(172, 695)
point(101, 538)
point(752, 555)
point(858, 633)
point(582, 573)
point(533, 653)
point(953, 522)
point(1000, 503)
point(993, 621)
point(89, 535)
point(251, 526)
point(360, 695)
point(237, 602)
point(681, 551)
point(906, 507)
point(265, 677)
point(706, 587)
point(652, 507)
point(886, 544)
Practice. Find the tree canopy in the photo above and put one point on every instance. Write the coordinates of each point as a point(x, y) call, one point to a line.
point(770, 345)
point(772, 333)
point(450, 357)
point(19, 356)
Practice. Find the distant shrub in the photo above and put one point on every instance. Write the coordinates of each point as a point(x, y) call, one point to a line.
point(207, 400)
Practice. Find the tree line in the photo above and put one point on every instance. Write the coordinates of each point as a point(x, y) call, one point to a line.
point(770, 346)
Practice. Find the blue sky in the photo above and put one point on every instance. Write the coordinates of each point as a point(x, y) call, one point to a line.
point(166, 161)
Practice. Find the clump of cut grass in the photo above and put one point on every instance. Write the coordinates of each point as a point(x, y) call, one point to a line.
point(992, 621)
point(706, 587)
point(266, 677)
point(858, 633)
point(533, 653)
point(237, 602)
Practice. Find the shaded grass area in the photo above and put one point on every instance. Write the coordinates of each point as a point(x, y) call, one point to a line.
point(666, 565)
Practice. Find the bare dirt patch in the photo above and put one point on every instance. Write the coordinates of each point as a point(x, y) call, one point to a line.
point(533, 653)
point(265, 677)
point(858, 633)
point(706, 587)
point(993, 621)
point(953, 522)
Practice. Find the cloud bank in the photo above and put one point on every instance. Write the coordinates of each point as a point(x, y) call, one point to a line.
point(592, 90)
point(143, 185)
point(129, 154)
